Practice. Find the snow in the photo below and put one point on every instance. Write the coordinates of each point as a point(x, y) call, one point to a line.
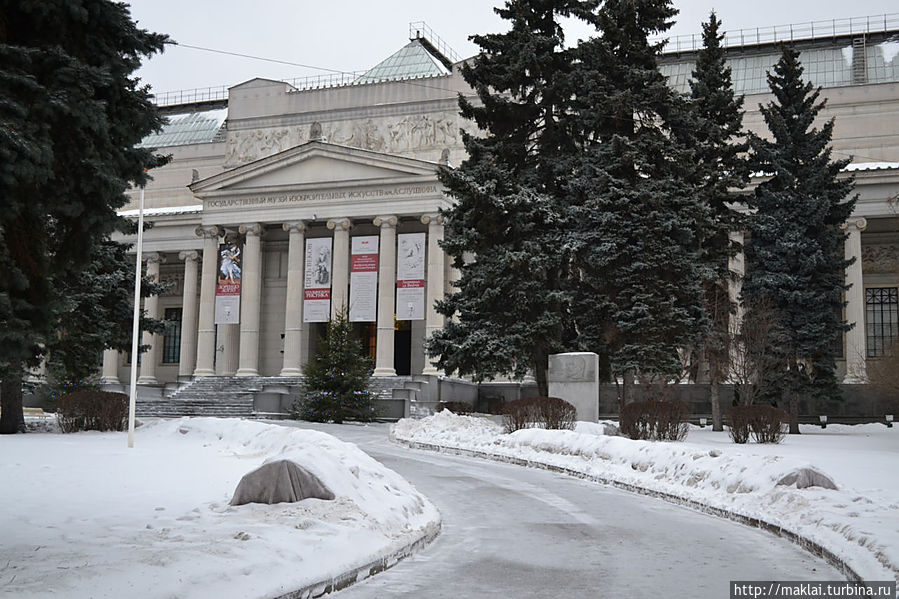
point(858, 522)
point(163, 211)
point(84, 516)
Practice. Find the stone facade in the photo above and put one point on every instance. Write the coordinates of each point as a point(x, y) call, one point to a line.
point(361, 160)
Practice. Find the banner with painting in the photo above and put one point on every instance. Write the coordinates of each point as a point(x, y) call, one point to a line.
point(317, 282)
point(364, 279)
point(227, 288)
point(410, 276)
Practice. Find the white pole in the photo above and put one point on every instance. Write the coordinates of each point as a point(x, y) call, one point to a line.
point(136, 324)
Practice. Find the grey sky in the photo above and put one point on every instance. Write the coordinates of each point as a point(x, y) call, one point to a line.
point(353, 35)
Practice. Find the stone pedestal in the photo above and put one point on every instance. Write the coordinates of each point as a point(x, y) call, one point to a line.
point(574, 377)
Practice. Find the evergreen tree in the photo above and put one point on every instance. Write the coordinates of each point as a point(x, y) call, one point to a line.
point(337, 378)
point(635, 224)
point(795, 257)
point(713, 131)
point(504, 233)
point(71, 116)
point(99, 293)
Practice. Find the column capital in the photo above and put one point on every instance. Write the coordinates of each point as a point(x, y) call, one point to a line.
point(385, 221)
point(298, 226)
point(251, 229)
point(154, 258)
point(339, 224)
point(211, 231)
point(437, 218)
point(860, 223)
point(189, 255)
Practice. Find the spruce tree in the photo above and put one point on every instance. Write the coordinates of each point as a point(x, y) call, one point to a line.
point(71, 116)
point(795, 257)
point(510, 310)
point(336, 378)
point(713, 132)
point(634, 222)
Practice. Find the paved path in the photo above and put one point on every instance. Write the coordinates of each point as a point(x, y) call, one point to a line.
point(517, 532)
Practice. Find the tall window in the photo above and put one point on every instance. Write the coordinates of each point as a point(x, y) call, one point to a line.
point(882, 319)
point(171, 341)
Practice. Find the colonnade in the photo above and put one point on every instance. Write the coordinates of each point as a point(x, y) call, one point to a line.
point(198, 329)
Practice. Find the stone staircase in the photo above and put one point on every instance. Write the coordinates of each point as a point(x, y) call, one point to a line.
point(239, 397)
point(217, 396)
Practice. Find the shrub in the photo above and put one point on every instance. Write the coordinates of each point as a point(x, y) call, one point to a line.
point(543, 412)
point(556, 413)
point(655, 420)
point(92, 411)
point(766, 424)
point(456, 407)
point(519, 414)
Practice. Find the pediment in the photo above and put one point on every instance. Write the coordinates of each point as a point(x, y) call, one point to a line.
point(315, 164)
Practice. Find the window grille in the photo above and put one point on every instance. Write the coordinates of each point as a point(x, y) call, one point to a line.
point(881, 319)
point(171, 343)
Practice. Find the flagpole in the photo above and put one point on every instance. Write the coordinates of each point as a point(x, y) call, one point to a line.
point(135, 328)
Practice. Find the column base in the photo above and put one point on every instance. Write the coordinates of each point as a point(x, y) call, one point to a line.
point(147, 380)
point(432, 371)
point(291, 372)
point(247, 372)
point(854, 379)
point(384, 372)
point(109, 380)
point(204, 372)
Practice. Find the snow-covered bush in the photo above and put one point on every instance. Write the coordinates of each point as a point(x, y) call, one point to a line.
point(538, 412)
point(92, 411)
point(766, 424)
point(655, 420)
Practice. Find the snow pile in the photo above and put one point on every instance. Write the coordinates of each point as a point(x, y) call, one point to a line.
point(858, 522)
point(154, 521)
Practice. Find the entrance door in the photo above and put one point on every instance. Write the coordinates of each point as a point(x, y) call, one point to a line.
point(402, 348)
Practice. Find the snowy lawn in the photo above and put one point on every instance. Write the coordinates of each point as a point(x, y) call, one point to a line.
point(84, 516)
point(858, 522)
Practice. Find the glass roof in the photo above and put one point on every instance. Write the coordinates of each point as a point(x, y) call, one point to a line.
point(411, 61)
point(190, 128)
point(831, 66)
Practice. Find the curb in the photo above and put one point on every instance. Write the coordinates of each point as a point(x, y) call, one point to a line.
point(805, 543)
point(342, 581)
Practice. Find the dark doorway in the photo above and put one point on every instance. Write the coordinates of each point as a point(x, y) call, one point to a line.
point(402, 348)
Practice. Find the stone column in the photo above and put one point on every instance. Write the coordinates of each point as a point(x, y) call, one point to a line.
point(386, 296)
point(737, 266)
point(293, 312)
point(110, 375)
point(188, 360)
point(206, 321)
point(340, 272)
point(856, 353)
point(250, 296)
point(151, 307)
point(436, 268)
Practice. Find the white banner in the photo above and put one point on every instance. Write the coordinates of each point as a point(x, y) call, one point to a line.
point(410, 277)
point(317, 282)
point(364, 279)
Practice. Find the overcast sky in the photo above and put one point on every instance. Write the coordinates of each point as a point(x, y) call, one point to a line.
point(354, 35)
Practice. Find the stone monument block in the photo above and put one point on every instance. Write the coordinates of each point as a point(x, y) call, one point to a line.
point(574, 377)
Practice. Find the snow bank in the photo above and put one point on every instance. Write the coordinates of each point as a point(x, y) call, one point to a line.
point(86, 516)
point(858, 522)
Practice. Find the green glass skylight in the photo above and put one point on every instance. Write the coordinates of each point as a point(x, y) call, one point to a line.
point(411, 61)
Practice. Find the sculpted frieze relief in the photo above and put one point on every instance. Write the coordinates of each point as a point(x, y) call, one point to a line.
point(882, 258)
point(419, 135)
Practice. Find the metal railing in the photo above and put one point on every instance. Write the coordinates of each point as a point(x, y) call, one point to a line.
point(420, 29)
point(789, 33)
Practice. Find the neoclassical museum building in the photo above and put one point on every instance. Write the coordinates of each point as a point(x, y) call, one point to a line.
point(285, 200)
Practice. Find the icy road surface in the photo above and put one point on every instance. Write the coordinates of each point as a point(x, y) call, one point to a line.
point(518, 532)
